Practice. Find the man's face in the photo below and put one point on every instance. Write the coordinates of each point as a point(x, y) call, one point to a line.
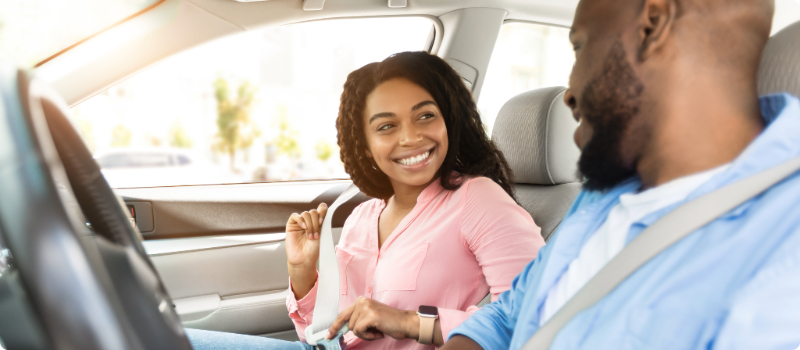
point(605, 95)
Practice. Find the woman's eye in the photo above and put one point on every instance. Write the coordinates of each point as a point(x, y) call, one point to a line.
point(427, 116)
point(385, 127)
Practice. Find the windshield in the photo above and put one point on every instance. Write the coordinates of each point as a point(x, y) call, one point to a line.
point(33, 30)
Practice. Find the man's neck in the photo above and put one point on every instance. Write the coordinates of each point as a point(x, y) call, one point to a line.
point(700, 132)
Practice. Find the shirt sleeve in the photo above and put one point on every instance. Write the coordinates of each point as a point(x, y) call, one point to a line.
point(302, 311)
point(500, 233)
point(493, 325)
point(766, 313)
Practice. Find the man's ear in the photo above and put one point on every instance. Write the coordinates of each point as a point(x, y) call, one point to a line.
point(656, 21)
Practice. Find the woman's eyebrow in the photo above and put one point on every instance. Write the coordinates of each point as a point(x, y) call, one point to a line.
point(381, 115)
point(422, 104)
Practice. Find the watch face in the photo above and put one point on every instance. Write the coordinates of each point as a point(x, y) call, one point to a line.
point(428, 310)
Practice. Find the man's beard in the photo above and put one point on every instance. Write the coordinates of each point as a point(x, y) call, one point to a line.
point(610, 102)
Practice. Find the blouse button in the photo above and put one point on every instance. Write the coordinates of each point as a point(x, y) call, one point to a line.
point(369, 290)
point(301, 309)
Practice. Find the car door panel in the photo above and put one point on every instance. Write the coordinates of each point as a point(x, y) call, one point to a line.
point(221, 253)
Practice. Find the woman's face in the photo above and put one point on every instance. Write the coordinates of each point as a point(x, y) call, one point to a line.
point(405, 132)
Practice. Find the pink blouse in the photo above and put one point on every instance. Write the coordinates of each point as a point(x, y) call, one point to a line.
point(449, 252)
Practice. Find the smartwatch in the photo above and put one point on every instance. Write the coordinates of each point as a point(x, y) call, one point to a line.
point(427, 322)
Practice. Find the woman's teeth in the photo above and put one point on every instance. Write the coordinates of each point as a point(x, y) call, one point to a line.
point(414, 160)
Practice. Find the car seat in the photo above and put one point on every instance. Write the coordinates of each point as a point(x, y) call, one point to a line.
point(780, 65)
point(535, 132)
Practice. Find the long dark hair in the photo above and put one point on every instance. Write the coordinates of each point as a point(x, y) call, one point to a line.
point(470, 150)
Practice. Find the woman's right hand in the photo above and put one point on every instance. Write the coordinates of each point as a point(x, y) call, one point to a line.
point(302, 237)
point(302, 248)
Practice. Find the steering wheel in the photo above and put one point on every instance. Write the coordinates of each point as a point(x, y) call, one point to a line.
point(92, 288)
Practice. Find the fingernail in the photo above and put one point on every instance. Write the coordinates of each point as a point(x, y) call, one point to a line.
point(320, 221)
point(303, 225)
point(316, 235)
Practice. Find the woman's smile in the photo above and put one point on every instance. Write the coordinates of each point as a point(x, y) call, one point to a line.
point(416, 159)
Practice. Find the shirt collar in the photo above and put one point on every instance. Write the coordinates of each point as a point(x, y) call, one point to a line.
point(432, 190)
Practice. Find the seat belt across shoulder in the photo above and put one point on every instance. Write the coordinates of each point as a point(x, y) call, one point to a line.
point(659, 236)
point(326, 307)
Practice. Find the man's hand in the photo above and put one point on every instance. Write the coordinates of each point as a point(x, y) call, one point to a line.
point(371, 320)
point(461, 342)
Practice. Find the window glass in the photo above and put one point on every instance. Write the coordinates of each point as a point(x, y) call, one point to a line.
point(527, 56)
point(32, 30)
point(258, 106)
point(786, 13)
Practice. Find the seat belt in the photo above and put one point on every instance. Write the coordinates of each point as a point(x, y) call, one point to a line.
point(326, 307)
point(659, 236)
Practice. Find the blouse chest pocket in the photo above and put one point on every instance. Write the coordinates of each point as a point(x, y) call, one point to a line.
point(400, 271)
point(343, 259)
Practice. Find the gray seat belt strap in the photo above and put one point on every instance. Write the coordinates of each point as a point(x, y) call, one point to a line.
point(326, 307)
point(659, 236)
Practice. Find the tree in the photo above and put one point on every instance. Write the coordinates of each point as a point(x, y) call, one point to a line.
point(178, 136)
point(286, 141)
point(235, 128)
point(121, 136)
point(324, 150)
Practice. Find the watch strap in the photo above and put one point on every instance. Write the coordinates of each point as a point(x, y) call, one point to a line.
point(426, 328)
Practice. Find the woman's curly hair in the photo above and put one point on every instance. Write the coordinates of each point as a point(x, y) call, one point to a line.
point(470, 150)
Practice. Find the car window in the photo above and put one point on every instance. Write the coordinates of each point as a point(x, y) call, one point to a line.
point(786, 13)
point(33, 30)
point(253, 107)
point(526, 56)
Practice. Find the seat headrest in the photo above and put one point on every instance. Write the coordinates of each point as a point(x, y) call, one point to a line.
point(534, 130)
point(780, 66)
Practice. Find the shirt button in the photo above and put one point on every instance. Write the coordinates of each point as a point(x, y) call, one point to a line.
point(369, 290)
point(301, 309)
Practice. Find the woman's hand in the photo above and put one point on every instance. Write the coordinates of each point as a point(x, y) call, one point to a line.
point(302, 248)
point(371, 320)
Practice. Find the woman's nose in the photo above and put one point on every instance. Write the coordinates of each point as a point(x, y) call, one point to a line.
point(410, 135)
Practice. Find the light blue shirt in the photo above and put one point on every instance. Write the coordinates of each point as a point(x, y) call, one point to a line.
point(733, 284)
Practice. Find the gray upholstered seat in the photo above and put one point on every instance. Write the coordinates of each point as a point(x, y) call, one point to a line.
point(780, 63)
point(534, 130)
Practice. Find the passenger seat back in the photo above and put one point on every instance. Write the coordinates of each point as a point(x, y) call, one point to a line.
point(534, 130)
point(780, 66)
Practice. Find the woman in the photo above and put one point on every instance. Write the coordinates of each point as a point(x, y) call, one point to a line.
point(443, 230)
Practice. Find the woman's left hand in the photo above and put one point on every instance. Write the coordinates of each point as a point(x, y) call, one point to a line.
point(371, 320)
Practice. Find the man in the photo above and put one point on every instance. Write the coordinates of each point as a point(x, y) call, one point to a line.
point(665, 92)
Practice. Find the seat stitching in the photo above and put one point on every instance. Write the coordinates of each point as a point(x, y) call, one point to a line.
point(547, 139)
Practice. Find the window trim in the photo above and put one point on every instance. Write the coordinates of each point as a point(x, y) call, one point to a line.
point(137, 14)
point(509, 21)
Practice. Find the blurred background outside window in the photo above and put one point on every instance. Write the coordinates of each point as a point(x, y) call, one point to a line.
point(526, 56)
point(253, 107)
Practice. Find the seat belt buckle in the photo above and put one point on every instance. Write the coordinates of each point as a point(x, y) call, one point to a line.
point(336, 343)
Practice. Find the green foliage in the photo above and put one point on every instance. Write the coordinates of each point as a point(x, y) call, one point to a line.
point(236, 129)
point(121, 136)
point(324, 150)
point(286, 141)
point(178, 137)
